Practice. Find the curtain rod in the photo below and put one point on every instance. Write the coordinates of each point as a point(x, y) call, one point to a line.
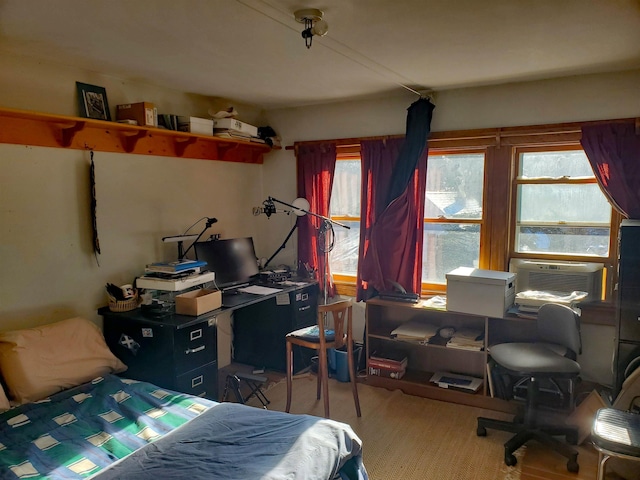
point(574, 127)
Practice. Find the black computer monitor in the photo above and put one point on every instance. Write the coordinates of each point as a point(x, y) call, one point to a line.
point(233, 260)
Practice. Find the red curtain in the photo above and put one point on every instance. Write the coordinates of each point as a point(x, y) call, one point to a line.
point(316, 165)
point(395, 231)
point(613, 150)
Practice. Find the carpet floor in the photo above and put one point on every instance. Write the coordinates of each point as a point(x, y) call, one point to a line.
point(416, 438)
point(405, 436)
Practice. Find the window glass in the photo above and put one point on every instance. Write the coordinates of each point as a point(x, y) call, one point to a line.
point(560, 208)
point(568, 163)
point(454, 192)
point(343, 259)
point(454, 186)
point(345, 209)
point(448, 246)
point(345, 195)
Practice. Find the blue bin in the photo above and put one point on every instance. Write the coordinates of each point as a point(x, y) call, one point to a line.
point(339, 362)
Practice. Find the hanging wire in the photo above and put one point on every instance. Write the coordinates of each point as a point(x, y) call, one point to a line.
point(326, 237)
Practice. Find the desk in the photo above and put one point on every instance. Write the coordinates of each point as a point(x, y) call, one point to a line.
point(180, 352)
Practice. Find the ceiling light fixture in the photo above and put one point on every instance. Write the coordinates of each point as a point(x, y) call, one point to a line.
point(313, 24)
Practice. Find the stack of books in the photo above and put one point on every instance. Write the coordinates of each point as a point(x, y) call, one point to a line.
point(174, 276)
point(389, 364)
point(175, 269)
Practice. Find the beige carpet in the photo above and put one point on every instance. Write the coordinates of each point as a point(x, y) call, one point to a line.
point(407, 437)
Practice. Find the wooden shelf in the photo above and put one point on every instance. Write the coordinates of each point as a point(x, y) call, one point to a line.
point(23, 127)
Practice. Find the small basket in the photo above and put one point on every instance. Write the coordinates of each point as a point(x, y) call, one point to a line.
point(124, 305)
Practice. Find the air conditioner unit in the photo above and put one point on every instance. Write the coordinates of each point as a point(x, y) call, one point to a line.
point(558, 277)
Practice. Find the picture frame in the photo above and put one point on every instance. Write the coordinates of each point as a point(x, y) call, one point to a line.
point(92, 102)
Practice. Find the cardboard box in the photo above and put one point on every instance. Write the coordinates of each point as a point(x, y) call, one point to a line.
point(480, 292)
point(585, 413)
point(198, 302)
point(143, 113)
point(235, 126)
point(201, 126)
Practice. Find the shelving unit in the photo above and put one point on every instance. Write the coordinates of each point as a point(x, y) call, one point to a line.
point(382, 317)
point(23, 127)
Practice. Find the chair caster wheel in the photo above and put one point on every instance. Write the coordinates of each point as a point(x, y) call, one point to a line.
point(481, 431)
point(572, 466)
point(509, 459)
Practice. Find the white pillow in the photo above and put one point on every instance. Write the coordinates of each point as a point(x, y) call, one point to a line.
point(38, 362)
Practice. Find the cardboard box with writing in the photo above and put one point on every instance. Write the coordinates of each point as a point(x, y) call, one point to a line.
point(198, 302)
point(141, 112)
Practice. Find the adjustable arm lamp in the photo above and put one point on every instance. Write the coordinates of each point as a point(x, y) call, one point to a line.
point(181, 238)
point(300, 207)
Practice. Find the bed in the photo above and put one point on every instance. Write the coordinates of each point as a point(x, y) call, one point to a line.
point(111, 427)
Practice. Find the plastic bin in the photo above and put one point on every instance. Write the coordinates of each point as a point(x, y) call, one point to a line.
point(339, 362)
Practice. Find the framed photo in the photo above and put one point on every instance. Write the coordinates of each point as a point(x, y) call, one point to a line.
point(92, 101)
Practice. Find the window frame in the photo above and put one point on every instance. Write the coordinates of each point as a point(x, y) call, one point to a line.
point(346, 284)
point(438, 288)
point(609, 261)
point(500, 144)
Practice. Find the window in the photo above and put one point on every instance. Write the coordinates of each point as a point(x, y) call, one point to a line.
point(492, 195)
point(344, 208)
point(560, 210)
point(453, 214)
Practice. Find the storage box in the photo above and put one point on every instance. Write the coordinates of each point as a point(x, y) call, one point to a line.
point(201, 126)
point(481, 292)
point(198, 302)
point(143, 113)
point(235, 125)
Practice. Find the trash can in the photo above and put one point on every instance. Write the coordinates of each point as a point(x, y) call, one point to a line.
point(339, 362)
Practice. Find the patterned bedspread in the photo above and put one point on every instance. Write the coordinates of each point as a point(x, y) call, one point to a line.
point(117, 428)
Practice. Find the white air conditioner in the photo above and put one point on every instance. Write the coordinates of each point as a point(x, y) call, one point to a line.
point(558, 277)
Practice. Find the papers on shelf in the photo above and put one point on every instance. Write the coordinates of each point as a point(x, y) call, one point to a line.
point(467, 339)
point(415, 331)
point(258, 290)
point(438, 302)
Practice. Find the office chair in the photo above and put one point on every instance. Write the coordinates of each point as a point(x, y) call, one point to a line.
point(558, 335)
point(321, 338)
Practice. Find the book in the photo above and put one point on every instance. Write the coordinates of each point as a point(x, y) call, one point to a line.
point(169, 285)
point(176, 266)
point(150, 272)
point(383, 372)
point(393, 357)
point(389, 365)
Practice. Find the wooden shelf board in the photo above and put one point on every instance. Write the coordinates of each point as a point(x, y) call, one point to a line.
point(417, 383)
point(23, 127)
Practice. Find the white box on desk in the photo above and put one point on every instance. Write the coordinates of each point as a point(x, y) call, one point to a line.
point(235, 125)
point(480, 292)
point(201, 126)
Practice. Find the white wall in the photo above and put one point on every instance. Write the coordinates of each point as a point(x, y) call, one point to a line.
point(49, 270)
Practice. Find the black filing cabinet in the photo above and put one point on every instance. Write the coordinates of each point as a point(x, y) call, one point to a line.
point(176, 352)
point(628, 308)
point(259, 330)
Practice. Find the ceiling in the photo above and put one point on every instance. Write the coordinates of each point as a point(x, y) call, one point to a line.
point(251, 51)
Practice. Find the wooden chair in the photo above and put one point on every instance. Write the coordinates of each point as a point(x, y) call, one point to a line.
point(321, 338)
